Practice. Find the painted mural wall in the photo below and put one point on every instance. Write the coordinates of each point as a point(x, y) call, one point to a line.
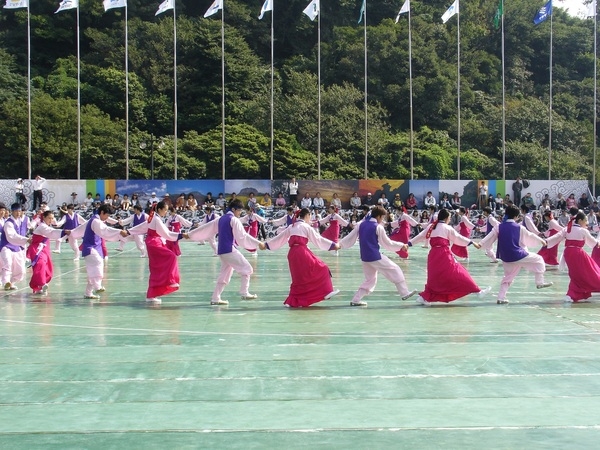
point(57, 192)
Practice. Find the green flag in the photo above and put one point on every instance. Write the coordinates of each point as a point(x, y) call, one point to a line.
point(499, 13)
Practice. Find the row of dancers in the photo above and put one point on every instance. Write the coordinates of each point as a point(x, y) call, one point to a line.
point(447, 280)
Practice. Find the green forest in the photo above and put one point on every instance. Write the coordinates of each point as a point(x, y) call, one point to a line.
point(248, 82)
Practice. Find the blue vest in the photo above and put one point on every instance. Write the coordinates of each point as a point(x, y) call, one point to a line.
point(141, 219)
point(91, 240)
point(225, 244)
point(71, 223)
point(509, 249)
point(368, 241)
point(21, 230)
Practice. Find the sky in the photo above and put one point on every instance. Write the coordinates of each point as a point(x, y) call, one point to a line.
point(573, 7)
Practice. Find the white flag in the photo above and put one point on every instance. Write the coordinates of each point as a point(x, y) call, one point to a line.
point(591, 12)
point(312, 10)
point(267, 6)
point(450, 11)
point(405, 8)
point(165, 6)
point(67, 4)
point(214, 8)
point(14, 4)
point(110, 4)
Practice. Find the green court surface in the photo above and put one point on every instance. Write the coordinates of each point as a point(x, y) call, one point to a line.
point(121, 374)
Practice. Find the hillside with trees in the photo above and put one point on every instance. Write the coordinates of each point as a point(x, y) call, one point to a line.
point(247, 91)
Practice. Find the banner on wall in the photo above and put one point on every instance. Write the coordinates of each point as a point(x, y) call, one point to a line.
point(57, 192)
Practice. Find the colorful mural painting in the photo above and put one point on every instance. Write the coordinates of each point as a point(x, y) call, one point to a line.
point(57, 192)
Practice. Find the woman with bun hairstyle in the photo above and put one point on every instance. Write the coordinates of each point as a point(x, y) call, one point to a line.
point(447, 280)
point(162, 261)
point(311, 278)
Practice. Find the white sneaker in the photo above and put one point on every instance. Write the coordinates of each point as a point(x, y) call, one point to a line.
point(358, 303)
point(502, 301)
point(91, 297)
point(219, 302)
point(100, 289)
point(410, 294)
point(118, 249)
point(76, 258)
point(567, 299)
point(484, 292)
point(545, 285)
point(155, 300)
point(421, 301)
point(249, 296)
point(332, 293)
point(45, 288)
point(56, 251)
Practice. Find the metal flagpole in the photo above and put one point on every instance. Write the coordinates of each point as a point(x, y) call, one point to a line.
point(595, 96)
point(223, 89)
point(458, 92)
point(550, 112)
point(272, 89)
point(78, 101)
point(503, 103)
point(410, 86)
point(366, 97)
point(175, 90)
point(28, 92)
point(319, 98)
point(126, 98)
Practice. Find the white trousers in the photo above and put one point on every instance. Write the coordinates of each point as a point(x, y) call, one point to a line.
point(94, 266)
point(388, 269)
point(231, 262)
point(139, 243)
point(12, 266)
point(74, 243)
point(532, 263)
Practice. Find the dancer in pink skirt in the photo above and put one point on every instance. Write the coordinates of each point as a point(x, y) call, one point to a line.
point(447, 280)
point(311, 278)
point(465, 228)
point(401, 230)
point(162, 261)
point(583, 271)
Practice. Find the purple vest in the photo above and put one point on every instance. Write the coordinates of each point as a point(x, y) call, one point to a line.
point(369, 244)
point(71, 223)
point(225, 244)
point(489, 227)
point(509, 249)
point(209, 217)
point(137, 221)
point(289, 220)
point(91, 240)
point(21, 230)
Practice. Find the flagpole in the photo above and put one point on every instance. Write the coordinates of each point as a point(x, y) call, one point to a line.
point(223, 90)
point(410, 87)
point(175, 90)
point(503, 103)
point(458, 90)
point(126, 97)
point(319, 97)
point(28, 92)
point(78, 100)
point(595, 96)
point(366, 96)
point(272, 89)
point(550, 112)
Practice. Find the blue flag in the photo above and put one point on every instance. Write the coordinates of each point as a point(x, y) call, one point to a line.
point(544, 12)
